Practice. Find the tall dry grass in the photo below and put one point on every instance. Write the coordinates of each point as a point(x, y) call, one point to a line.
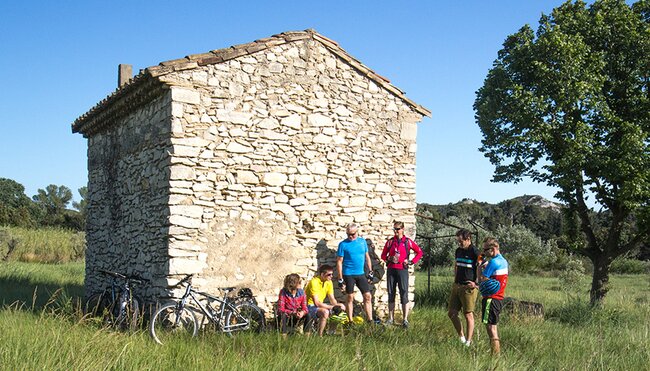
point(43, 245)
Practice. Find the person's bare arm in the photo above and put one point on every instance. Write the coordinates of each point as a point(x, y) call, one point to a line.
point(339, 266)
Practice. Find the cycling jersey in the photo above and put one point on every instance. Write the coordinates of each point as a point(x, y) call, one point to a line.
point(497, 268)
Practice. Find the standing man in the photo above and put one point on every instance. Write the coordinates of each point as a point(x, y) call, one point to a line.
point(378, 270)
point(396, 253)
point(497, 268)
point(318, 289)
point(351, 256)
point(464, 291)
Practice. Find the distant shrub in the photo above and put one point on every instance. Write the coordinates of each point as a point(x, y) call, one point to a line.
point(518, 240)
point(526, 264)
point(524, 250)
point(629, 266)
point(439, 250)
point(572, 274)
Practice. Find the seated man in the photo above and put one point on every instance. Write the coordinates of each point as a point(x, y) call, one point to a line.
point(319, 288)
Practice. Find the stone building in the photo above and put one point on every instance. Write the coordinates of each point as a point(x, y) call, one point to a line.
point(244, 164)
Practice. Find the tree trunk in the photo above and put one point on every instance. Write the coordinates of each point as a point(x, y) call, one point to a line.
point(600, 279)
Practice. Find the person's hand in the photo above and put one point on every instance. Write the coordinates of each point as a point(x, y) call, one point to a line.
point(407, 263)
point(300, 314)
point(370, 276)
point(471, 284)
point(341, 283)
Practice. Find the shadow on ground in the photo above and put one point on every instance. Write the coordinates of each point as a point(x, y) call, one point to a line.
point(27, 294)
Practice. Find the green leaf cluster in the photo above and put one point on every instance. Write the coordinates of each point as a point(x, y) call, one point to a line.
point(569, 105)
point(47, 208)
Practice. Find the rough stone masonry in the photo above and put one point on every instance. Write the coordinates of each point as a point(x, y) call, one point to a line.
point(244, 164)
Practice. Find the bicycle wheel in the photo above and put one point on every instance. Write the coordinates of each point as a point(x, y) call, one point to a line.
point(98, 306)
point(246, 317)
point(169, 322)
point(127, 316)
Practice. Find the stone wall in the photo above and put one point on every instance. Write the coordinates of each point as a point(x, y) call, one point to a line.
point(272, 154)
point(128, 197)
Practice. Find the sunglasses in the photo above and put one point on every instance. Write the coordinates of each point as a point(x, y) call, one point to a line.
point(329, 274)
point(397, 229)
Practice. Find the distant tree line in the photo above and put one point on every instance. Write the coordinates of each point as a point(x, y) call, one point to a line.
point(47, 208)
point(537, 235)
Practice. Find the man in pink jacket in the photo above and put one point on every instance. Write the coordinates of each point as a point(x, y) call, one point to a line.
point(396, 254)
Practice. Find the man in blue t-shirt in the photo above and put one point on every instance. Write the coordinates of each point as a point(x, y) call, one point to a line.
point(351, 256)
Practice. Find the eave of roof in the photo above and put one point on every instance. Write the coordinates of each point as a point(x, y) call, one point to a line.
point(84, 124)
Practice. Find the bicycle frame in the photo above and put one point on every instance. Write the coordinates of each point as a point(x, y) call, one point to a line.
point(116, 303)
point(120, 294)
point(218, 317)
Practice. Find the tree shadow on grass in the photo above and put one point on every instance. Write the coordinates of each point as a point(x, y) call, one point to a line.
point(27, 294)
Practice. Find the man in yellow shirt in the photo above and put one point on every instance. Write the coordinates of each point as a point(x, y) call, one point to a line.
point(318, 289)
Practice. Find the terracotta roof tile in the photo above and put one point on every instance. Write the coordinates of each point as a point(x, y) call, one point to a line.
point(194, 57)
point(225, 54)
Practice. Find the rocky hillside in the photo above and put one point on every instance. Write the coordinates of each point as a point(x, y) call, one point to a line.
point(534, 212)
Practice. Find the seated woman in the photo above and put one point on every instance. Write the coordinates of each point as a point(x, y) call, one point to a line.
point(292, 304)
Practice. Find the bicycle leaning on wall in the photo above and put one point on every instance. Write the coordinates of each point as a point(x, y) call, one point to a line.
point(225, 314)
point(116, 304)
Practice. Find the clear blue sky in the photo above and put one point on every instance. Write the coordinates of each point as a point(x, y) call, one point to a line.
point(59, 58)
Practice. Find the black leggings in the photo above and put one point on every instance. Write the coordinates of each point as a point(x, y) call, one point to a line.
point(288, 321)
point(398, 278)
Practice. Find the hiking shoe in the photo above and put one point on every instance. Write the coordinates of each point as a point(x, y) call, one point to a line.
point(405, 324)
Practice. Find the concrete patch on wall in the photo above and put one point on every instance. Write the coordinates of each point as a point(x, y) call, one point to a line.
point(255, 254)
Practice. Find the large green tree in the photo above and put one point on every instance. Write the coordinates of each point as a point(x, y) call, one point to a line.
point(15, 207)
point(569, 106)
point(53, 200)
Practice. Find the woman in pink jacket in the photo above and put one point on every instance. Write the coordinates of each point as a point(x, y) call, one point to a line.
point(396, 254)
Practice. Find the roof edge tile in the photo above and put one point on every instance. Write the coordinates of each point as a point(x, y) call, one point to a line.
point(225, 54)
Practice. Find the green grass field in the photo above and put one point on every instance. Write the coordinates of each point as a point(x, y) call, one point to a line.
point(52, 335)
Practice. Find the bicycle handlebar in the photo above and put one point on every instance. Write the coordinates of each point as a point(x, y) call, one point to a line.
point(133, 278)
point(186, 279)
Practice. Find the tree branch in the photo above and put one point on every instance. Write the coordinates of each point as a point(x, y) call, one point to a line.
point(585, 222)
point(634, 242)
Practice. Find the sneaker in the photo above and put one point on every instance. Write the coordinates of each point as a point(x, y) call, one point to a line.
point(468, 343)
point(405, 324)
point(389, 322)
point(377, 321)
